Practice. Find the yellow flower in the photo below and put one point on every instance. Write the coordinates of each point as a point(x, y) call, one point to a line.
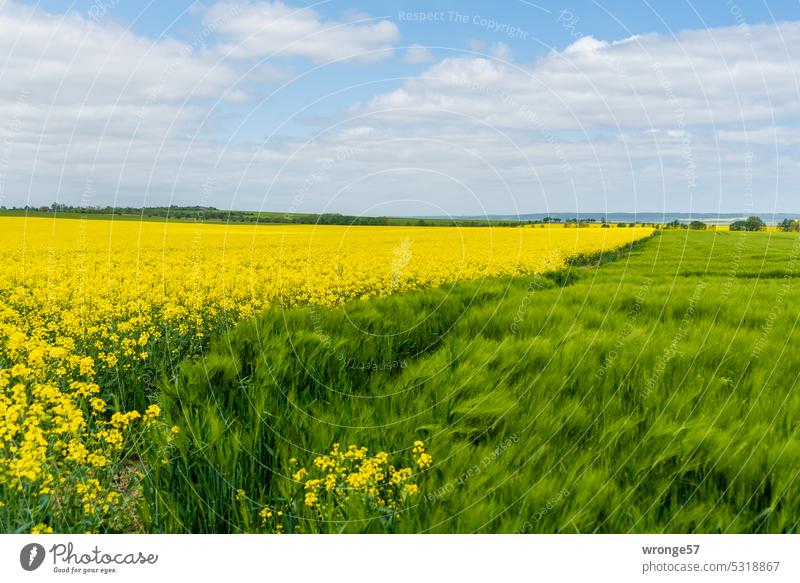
point(122, 420)
point(19, 370)
point(97, 460)
point(330, 482)
point(265, 514)
point(87, 366)
point(311, 499)
point(424, 461)
point(42, 528)
point(151, 414)
point(343, 473)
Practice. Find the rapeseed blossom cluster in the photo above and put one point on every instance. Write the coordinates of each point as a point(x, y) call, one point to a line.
point(59, 441)
point(342, 474)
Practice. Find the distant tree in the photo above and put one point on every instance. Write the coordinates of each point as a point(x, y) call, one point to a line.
point(622, 225)
point(749, 224)
point(697, 226)
point(789, 225)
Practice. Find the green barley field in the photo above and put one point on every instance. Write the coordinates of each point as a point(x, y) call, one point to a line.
point(654, 390)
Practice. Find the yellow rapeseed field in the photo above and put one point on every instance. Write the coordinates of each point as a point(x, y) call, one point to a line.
point(84, 303)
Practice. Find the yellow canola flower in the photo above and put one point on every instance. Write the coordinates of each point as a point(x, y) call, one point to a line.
point(341, 474)
point(153, 411)
point(424, 461)
point(151, 414)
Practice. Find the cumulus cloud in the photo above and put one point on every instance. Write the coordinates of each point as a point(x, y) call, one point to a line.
point(261, 29)
point(72, 60)
point(501, 52)
point(715, 76)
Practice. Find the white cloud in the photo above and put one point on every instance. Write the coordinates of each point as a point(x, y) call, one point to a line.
point(769, 135)
point(261, 29)
point(585, 45)
point(417, 54)
point(715, 76)
point(501, 52)
point(68, 59)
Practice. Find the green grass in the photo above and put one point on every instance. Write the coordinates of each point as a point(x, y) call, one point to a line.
point(654, 393)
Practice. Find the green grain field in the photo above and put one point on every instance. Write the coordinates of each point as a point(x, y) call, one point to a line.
point(651, 391)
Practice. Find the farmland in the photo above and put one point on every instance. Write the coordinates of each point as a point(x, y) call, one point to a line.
point(198, 378)
point(98, 315)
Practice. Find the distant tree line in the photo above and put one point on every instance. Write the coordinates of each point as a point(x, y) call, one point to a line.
point(212, 214)
point(753, 223)
point(749, 224)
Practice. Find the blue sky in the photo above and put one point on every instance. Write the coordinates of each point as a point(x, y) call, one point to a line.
point(606, 20)
point(402, 107)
